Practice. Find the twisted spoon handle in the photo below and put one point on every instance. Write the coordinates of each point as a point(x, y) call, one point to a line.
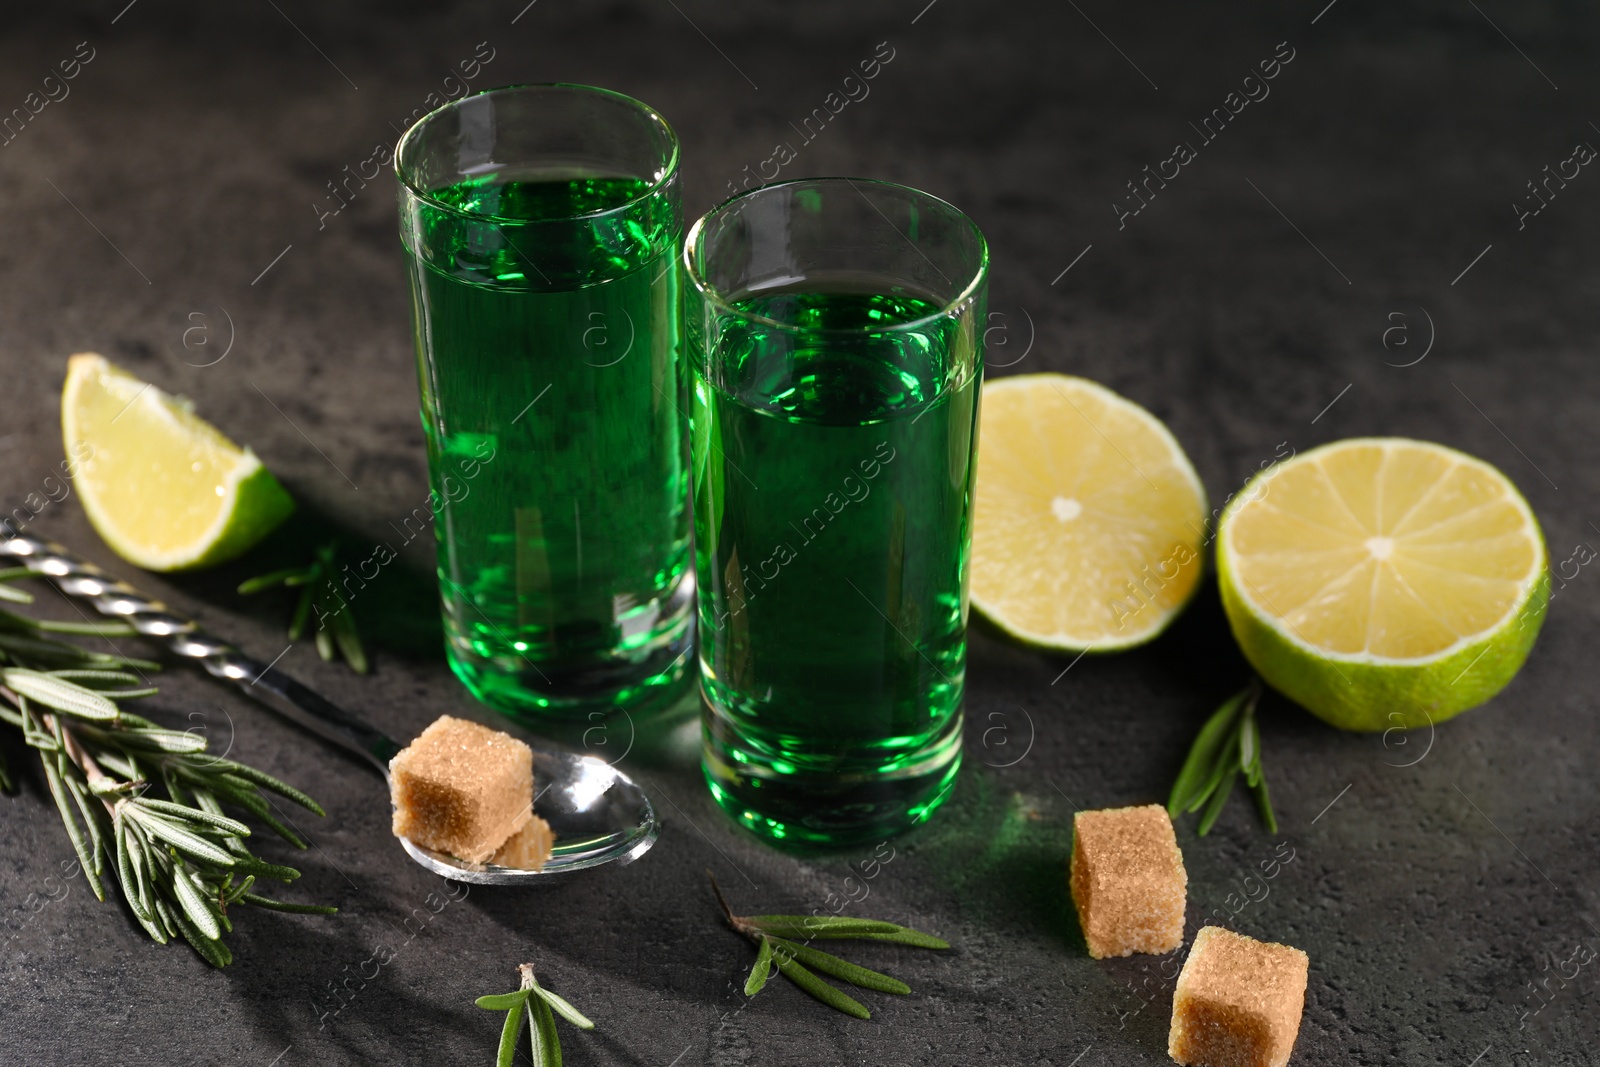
point(82, 580)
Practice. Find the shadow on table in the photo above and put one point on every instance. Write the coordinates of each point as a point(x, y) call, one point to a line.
point(397, 608)
point(1003, 863)
point(342, 997)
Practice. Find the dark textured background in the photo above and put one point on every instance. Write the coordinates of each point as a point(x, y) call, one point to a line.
point(1429, 896)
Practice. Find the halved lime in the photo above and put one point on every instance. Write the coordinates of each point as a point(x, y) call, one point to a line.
point(1383, 582)
point(1088, 519)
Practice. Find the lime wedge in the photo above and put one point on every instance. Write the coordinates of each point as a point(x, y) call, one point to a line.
point(164, 488)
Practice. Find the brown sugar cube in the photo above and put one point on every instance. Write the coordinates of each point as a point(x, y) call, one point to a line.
point(1128, 881)
point(1238, 1002)
point(461, 788)
point(529, 848)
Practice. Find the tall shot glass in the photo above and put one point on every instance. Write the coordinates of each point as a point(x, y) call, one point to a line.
point(834, 328)
point(541, 225)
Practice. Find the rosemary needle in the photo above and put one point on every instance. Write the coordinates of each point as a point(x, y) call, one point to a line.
point(1227, 746)
point(796, 960)
point(539, 1007)
point(317, 581)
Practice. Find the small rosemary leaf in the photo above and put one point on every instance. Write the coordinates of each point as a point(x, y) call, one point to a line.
point(266, 781)
point(349, 640)
point(237, 892)
point(1264, 802)
point(818, 925)
point(1248, 744)
point(35, 735)
point(91, 819)
point(293, 909)
point(850, 972)
point(1227, 759)
point(195, 905)
point(116, 764)
point(564, 1009)
point(106, 660)
point(509, 1034)
point(246, 797)
point(212, 950)
point(1197, 766)
point(86, 629)
point(503, 1001)
point(542, 1035)
point(60, 694)
point(167, 917)
point(17, 624)
point(86, 676)
point(160, 740)
point(11, 574)
point(234, 827)
point(325, 644)
point(38, 646)
point(1219, 800)
point(13, 595)
point(260, 867)
point(302, 613)
point(151, 927)
point(267, 581)
point(205, 800)
point(188, 843)
point(762, 968)
point(905, 936)
point(131, 694)
point(175, 791)
point(819, 989)
point(11, 715)
point(281, 830)
point(127, 875)
point(58, 790)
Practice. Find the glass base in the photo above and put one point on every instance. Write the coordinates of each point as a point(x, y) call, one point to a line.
point(854, 801)
point(649, 678)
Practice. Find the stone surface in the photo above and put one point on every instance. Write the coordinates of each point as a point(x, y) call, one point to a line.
point(179, 194)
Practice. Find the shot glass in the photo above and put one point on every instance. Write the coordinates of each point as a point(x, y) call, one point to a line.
point(834, 328)
point(541, 224)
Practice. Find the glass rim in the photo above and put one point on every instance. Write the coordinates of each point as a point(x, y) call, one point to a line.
point(714, 296)
point(669, 169)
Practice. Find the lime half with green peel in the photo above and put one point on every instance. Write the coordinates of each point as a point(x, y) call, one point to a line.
point(164, 487)
point(1382, 582)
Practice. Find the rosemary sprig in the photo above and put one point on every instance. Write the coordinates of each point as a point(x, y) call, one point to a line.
point(180, 861)
point(336, 625)
point(774, 936)
point(1228, 745)
point(540, 1007)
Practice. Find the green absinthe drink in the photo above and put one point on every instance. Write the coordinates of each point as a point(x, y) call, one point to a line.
point(541, 225)
point(837, 370)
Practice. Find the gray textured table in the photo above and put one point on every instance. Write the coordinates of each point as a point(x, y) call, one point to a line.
point(185, 172)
